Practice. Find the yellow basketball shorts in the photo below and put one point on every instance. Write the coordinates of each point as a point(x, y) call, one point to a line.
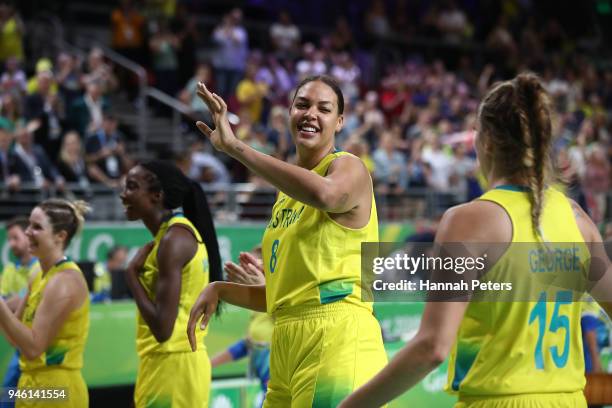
point(320, 354)
point(71, 381)
point(557, 400)
point(173, 380)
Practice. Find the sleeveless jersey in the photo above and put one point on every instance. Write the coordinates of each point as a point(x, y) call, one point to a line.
point(533, 346)
point(66, 349)
point(194, 277)
point(310, 259)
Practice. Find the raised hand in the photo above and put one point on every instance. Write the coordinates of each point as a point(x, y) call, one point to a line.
point(222, 138)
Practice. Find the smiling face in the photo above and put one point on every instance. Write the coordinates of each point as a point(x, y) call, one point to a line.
point(315, 117)
point(40, 234)
point(137, 198)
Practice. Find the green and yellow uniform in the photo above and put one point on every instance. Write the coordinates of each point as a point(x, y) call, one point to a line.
point(169, 373)
point(59, 367)
point(326, 341)
point(529, 353)
point(15, 277)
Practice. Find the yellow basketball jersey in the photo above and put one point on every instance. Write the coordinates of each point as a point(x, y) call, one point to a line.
point(531, 346)
point(66, 349)
point(310, 259)
point(194, 277)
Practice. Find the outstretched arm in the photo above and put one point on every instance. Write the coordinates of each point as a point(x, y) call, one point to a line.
point(339, 191)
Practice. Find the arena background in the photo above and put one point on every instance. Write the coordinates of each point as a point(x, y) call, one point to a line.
point(412, 72)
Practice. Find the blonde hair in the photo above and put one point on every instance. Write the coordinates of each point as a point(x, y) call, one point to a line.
point(65, 215)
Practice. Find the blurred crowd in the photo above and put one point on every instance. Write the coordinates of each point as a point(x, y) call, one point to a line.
point(412, 120)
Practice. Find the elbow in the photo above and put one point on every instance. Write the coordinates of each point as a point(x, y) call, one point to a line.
point(434, 350)
point(327, 200)
point(163, 332)
point(162, 335)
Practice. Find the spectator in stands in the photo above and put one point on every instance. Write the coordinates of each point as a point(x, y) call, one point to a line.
point(30, 162)
point(105, 154)
point(184, 27)
point(390, 172)
point(10, 180)
point(250, 94)
point(230, 62)
point(439, 161)
point(13, 78)
point(127, 25)
point(12, 31)
point(341, 39)
point(258, 140)
point(46, 107)
point(278, 133)
point(164, 45)
point(14, 284)
point(189, 95)
point(86, 113)
point(597, 182)
point(206, 167)
point(98, 71)
point(10, 111)
point(312, 62)
point(105, 272)
point(463, 168)
point(348, 75)
point(453, 23)
point(275, 75)
point(71, 162)
point(285, 36)
point(68, 78)
point(376, 21)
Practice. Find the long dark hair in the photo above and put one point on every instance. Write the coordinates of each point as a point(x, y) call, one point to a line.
point(180, 191)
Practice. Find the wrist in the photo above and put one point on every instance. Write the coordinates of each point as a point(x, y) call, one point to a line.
point(236, 149)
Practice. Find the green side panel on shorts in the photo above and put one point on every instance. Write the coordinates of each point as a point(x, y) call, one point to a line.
point(331, 292)
point(55, 355)
point(163, 401)
point(329, 393)
point(466, 354)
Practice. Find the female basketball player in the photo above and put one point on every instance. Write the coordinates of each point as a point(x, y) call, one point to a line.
point(504, 354)
point(326, 340)
point(165, 277)
point(50, 327)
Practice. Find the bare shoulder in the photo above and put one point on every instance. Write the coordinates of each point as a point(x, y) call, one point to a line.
point(349, 163)
point(69, 282)
point(476, 221)
point(587, 227)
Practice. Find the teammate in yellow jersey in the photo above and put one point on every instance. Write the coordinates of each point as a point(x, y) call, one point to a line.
point(165, 277)
point(505, 354)
point(326, 341)
point(50, 327)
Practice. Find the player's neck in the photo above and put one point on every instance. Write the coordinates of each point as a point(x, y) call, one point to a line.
point(309, 159)
point(50, 259)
